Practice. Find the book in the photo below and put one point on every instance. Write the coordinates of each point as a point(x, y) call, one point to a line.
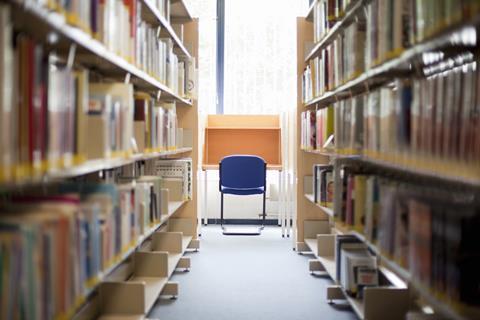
point(6, 94)
point(111, 109)
point(344, 242)
point(351, 261)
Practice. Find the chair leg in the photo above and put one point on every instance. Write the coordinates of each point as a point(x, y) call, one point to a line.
point(221, 210)
point(264, 210)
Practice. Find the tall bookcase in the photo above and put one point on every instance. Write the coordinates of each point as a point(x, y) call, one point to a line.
point(160, 222)
point(397, 76)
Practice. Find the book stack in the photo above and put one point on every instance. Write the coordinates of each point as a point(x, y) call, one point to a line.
point(349, 125)
point(324, 16)
point(163, 7)
point(110, 115)
point(429, 232)
point(340, 61)
point(430, 17)
point(55, 247)
point(356, 267)
point(118, 24)
point(388, 30)
point(323, 185)
point(317, 129)
point(156, 124)
point(64, 118)
point(50, 102)
point(431, 118)
point(176, 176)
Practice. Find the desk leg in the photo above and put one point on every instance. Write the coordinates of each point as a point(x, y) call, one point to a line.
point(281, 203)
point(205, 198)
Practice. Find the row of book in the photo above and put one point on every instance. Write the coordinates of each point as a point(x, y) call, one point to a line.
point(317, 129)
point(356, 268)
point(430, 232)
point(61, 118)
point(435, 117)
point(379, 33)
point(119, 26)
point(342, 60)
point(54, 248)
point(432, 16)
point(325, 14)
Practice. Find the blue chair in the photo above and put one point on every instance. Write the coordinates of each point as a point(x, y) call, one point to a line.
point(242, 175)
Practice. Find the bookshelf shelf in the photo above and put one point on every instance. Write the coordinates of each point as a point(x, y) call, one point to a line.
point(172, 209)
point(348, 18)
point(153, 280)
point(328, 262)
point(405, 276)
point(326, 210)
point(447, 48)
point(322, 243)
point(380, 74)
point(433, 170)
point(179, 11)
point(309, 14)
point(92, 52)
point(89, 167)
point(153, 16)
point(322, 152)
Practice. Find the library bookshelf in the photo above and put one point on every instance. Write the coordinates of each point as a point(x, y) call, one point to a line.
point(128, 282)
point(446, 40)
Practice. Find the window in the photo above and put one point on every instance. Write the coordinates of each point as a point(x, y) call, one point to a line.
point(260, 45)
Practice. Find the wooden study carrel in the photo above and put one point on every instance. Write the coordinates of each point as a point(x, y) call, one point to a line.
point(258, 135)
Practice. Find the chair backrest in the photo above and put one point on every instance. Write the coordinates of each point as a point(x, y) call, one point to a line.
point(242, 172)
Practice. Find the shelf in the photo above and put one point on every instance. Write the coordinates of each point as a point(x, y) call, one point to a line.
point(451, 173)
point(91, 52)
point(89, 167)
point(357, 305)
point(327, 262)
point(309, 15)
point(322, 152)
point(179, 11)
point(347, 19)
point(438, 305)
point(378, 75)
point(172, 208)
point(153, 16)
point(311, 198)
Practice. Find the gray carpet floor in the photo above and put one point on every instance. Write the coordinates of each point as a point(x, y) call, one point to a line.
point(249, 277)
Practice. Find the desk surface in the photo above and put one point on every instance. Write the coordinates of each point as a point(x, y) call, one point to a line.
point(276, 167)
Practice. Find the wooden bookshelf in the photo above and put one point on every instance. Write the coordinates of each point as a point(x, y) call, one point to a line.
point(131, 274)
point(40, 21)
point(320, 242)
point(305, 160)
point(451, 40)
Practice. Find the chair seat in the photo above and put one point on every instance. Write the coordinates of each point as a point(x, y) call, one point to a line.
point(242, 191)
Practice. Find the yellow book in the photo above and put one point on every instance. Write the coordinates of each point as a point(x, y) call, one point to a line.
point(359, 206)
